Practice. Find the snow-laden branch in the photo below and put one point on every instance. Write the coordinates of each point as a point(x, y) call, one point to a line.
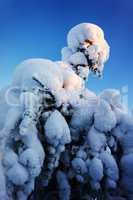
point(61, 137)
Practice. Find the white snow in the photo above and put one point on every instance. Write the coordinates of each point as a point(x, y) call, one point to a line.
point(96, 141)
point(78, 58)
point(10, 158)
point(80, 128)
point(78, 34)
point(30, 159)
point(111, 168)
point(96, 169)
point(17, 174)
point(104, 117)
point(79, 166)
point(57, 130)
point(89, 38)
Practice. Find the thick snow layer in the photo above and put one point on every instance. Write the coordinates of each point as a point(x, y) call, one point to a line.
point(96, 169)
point(79, 166)
point(66, 53)
point(86, 47)
point(8, 98)
point(50, 121)
point(57, 77)
point(3, 192)
point(124, 133)
point(82, 154)
point(14, 114)
point(42, 70)
point(70, 80)
point(96, 140)
point(117, 133)
point(126, 123)
point(110, 165)
point(78, 59)
point(57, 130)
point(10, 158)
point(30, 159)
point(87, 31)
point(78, 34)
point(104, 117)
point(17, 174)
point(113, 97)
point(82, 117)
point(49, 74)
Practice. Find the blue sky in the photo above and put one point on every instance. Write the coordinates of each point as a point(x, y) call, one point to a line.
point(38, 28)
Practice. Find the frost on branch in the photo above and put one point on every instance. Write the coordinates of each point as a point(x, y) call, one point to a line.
point(59, 140)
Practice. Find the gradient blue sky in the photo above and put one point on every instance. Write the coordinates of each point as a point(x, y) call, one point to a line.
point(38, 28)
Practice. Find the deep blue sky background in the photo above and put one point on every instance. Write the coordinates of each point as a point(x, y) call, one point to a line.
point(38, 28)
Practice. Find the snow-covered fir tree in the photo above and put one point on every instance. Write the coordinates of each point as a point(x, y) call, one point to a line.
point(58, 139)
